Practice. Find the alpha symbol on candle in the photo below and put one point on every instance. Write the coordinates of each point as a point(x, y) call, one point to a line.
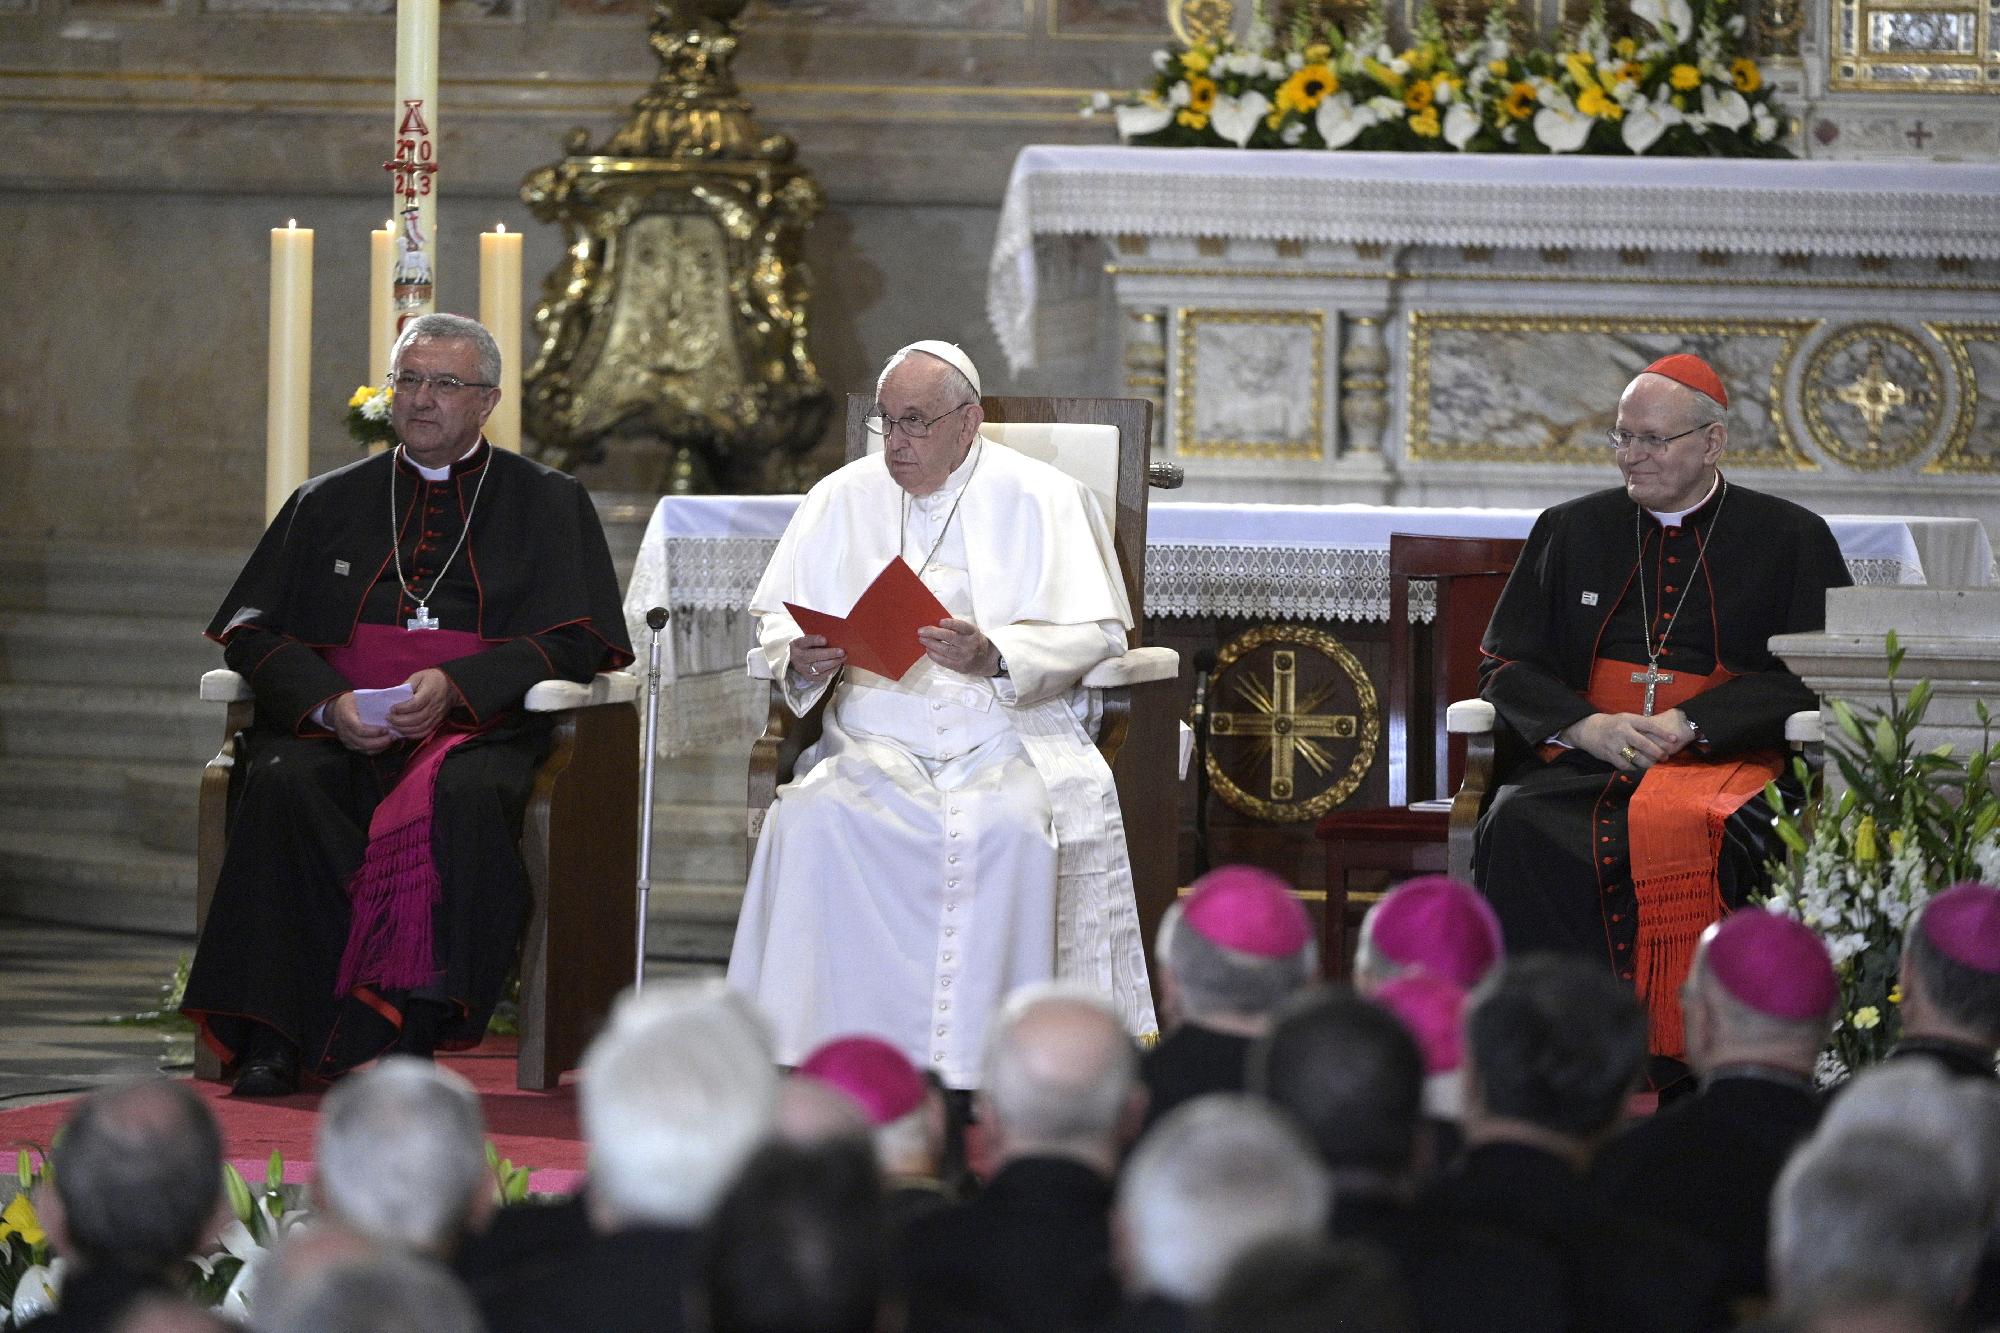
point(413, 117)
point(415, 162)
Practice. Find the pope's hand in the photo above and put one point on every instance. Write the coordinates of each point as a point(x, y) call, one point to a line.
point(355, 734)
point(812, 660)
point(430, 699)
point(958, 645)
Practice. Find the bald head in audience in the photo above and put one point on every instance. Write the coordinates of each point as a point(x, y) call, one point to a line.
point(138, 1179)
point(1061, 1079)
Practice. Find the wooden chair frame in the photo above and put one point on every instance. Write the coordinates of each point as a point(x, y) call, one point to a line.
point(579, 841)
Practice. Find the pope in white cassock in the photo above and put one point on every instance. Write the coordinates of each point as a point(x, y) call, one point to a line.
point(954, 834)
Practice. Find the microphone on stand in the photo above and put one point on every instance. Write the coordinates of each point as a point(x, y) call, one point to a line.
point(656, 620)
point(1204, 666)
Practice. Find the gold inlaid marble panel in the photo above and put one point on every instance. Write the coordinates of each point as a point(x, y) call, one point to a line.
point(1544, 388)
point(1249, 383)
point(1872, 396)
point(1974, 443)
point(1909, 46)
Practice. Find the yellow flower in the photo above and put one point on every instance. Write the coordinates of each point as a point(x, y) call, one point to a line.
point(1578, 65)
point(1865, 850)
point(362, 395)
point(1743, 72)
point(1425, 123)
point(1201, 96)
point(1444, 78)
point(1418, 95)
point(1896, 993)
point(1383, 75)
point(1627, 72)
point(1594, 101)
point(1195, 59)
point(1194, 120)
point(1420, 59)
point(1497, 68)
point(1866, 1017)
point(1684, 77)
point(19, 1220)
point(1520, 101)
point(1625, 46)
point(1318, 53)
point(1307, 88)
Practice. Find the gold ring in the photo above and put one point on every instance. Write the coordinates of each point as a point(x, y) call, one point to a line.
point(1629, 753)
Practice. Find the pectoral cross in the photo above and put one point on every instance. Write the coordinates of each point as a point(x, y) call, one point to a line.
point(1652, 675)
point(1283, 723)
point(423, 619)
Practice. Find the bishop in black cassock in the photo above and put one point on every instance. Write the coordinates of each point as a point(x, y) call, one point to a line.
point(1629, 651)
point(471, 573)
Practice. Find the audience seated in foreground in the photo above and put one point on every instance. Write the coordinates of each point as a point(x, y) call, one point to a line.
point(1207, 1183)
point(1308, 1284)
point(905, 1117)
point(137, 1189)
point(1228, 954)
point(380, 1293)
point(1950, 1008)
point(1059, 1100)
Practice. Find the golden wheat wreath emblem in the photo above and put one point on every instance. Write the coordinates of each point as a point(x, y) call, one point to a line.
point(1293, 723)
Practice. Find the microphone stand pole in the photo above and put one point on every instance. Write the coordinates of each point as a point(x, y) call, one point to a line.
point(1204, 664)
point(656, 620)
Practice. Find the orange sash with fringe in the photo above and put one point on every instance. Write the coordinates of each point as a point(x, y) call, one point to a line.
point(1674, 829)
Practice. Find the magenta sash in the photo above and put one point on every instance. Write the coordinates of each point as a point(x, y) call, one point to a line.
point(392, 895)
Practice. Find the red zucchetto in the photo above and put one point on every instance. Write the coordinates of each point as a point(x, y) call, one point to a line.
point(1439, 924)
point(1963, 924)
point(1772, 964)
point(1249, 910)
point(1689, 369)
point(870, 1072)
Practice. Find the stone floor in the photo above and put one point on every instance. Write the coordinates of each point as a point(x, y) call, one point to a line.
point(60, 987)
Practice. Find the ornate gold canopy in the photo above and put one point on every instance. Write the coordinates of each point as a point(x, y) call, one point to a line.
point(676, 321)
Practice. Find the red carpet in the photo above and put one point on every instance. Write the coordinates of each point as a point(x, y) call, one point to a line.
point(537, 1130)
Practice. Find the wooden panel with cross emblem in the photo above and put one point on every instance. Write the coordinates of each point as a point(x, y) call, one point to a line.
point(1293, 723)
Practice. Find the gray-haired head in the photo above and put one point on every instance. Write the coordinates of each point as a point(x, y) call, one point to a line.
point(1214, 981)
point(1212, 1179)
point(1060, 1074)
point(1917, 1100)
point(677, 1092)
point(138, 1175)
point(381, 1293)
point(402, 1154)
point(1873, 1214)
point(451, 328)
point(960, 373)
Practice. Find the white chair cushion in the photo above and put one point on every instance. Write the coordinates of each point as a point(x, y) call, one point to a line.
point(1469, 717)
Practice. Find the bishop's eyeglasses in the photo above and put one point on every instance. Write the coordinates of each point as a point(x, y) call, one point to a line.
point(446, 386)
point(1624, 441)
point(913, 426)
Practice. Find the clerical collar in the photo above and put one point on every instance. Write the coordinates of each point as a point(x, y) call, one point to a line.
point(1757, 1070)
point(1674, 518)
point(437, 473)
point(956, 481)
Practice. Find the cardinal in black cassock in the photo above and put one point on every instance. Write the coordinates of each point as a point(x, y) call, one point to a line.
point(373, 894)
point(1629, 651)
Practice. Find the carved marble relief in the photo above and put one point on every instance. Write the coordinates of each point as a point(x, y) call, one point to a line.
point(1544, 389)
point(1873, 396)
point(1249, 383)
point(1915, 45)
point(1974, 443)
point(1139, 18)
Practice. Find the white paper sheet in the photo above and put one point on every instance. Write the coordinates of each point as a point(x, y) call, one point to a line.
point(374, 705)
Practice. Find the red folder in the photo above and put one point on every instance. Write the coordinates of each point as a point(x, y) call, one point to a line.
point(880, 633)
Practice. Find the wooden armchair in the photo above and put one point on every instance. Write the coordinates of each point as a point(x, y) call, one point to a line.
point(1103, 442)
point(580, 842)
point(1447, 779)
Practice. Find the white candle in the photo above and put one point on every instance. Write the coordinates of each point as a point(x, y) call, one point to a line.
point(416, 155)
point(500, 312)
point(288, 397)
point(381, 304)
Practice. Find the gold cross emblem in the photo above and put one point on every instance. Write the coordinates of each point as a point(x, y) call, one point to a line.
point(1294, 725)
point(1284, 728)
point(1874, 395)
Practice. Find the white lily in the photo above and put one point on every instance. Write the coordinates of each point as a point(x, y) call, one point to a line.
point(35, 1294)
point(1645, 122)
point(1144, 118)
point(1763, 125)
point(1460, 124)
point(1236, 118)
point(1671, 16)
point(1179, 94)
point(1160, 59)
point(1560, 127)
point(1386, 107)
point(1727, 109)
point(1340, 122)
point(1292, 133)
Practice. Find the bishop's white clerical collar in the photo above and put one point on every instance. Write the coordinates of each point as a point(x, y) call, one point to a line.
point(1674, 518)
point(439, 473)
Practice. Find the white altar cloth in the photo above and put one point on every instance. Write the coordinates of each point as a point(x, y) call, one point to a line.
point(702, 557)
point(1916, 209)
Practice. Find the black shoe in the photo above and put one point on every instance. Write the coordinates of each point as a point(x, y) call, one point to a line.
point(270, 1068)
point(421, 1020)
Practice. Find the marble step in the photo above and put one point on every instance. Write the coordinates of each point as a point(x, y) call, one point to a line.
point(152, 802)
point(86, 879)
point(61, 647)
point(698, 843)
point(113, 722)
point(179, 585)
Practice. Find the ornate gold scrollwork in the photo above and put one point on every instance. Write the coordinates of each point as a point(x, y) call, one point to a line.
point(1873, 396)
point(1308, 734)
point(677, 317)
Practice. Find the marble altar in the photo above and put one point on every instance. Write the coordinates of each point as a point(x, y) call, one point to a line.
point(1435, 329)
